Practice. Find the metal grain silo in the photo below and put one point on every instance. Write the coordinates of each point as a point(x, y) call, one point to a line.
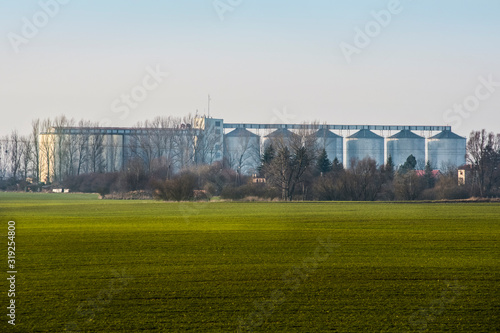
point(280, 137)
point(404, 144)
point(242, 150)
point(332, 143)
point(446, 149)
point(364, 144)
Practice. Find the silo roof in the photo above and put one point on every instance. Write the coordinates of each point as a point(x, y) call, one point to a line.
point(325, 133)
point(280, 132)
point(365, 134)
point(405, 134)
point(447, 135)
point(240, 132)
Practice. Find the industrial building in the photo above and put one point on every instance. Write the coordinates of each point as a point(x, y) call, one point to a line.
point(406, 143)
point(209, 140)
point(446, 149)
point(365, 144)
point(332, 143)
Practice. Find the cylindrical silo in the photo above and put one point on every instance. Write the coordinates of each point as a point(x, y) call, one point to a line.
point(404, 144)
point(364, 144)
point(446, 149)
point(280, 137)
point(332, 143)
point(242, 150)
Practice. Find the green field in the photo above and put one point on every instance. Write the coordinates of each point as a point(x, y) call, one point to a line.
point(89, 265)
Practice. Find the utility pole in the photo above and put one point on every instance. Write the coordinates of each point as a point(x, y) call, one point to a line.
point(209, 99)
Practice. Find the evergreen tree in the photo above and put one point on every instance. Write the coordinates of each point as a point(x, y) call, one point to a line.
point(389, 166)
point(268, 154)
point(428, 177)
point(323, 163)
point(337, 167)
point(266, 159)
point(410, 164)
point(388, 169)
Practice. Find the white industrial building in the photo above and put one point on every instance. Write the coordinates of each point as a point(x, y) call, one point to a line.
point(406, 143)
point(364, 144)
point(209, 140)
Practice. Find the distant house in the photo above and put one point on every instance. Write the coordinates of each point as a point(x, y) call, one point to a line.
point(256, 179)
point(435, 173)
point(464, 175)
point(60, 190)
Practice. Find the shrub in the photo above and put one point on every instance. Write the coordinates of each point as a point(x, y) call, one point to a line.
point(181, 188)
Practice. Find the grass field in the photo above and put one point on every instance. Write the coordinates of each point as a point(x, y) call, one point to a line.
point(89, 265)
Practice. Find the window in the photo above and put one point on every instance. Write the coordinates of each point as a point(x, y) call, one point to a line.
point(217, 124)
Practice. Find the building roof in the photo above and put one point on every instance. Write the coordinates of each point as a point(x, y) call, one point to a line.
point(325, 133)
point(434, 173)
point(281, 132)
point(447, 135)
point(240, 132)
point(365, 134)
point(466, 167)
point(406, 134)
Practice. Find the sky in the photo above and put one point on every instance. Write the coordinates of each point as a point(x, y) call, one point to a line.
point(393, 62)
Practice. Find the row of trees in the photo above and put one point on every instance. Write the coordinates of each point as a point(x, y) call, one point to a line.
point(70, 148)
point(483, 159)
point(22, 156)
point(19, 157)
point(293, 167)
point(296, 169)
point(308, 174)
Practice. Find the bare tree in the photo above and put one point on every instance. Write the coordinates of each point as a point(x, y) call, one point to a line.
point(60, 147)
point(97, 162)
point(208, 144)
point(82, 143)
point(242, 153)
point(16, 152)
point(408, 185)
point(72, 148)
point(362, 181)
point(35, 151)
point(483, 155)
point(26, 162)
point(142, 147)
point(162, 132)
point(4, 157)
point(185, 143)
point(114, 152)
point(287, 168)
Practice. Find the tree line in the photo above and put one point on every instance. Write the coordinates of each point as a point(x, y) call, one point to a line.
point(75, 148)
point(170, 166)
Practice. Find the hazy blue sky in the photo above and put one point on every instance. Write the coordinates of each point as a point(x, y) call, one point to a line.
point(259, 60)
